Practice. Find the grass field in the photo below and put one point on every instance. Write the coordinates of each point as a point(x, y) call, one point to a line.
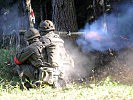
point(102, 90)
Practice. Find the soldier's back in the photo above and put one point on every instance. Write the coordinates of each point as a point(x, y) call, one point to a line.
point(55, 50)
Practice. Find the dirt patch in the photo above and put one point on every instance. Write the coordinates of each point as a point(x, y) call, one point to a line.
point(119, 66)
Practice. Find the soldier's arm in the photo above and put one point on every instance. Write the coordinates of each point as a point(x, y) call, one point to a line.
point(46, 41)
point(23, 55)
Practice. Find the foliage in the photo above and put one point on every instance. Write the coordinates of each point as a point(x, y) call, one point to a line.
point(2, 2)
point(6, 66)
point(74, 91)
point(6, 3)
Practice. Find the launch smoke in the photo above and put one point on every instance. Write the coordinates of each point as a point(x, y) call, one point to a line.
point(109, 31)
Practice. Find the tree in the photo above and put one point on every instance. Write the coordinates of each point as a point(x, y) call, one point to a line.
point(64, 15)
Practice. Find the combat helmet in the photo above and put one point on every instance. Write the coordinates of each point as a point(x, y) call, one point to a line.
point(31, 34)
point(46, 26)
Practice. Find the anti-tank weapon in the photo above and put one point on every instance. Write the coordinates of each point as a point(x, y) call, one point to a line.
point(62, 34)
point(69, 34)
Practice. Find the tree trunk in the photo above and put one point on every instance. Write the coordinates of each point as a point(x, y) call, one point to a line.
point(29, 8)
point(64, 16)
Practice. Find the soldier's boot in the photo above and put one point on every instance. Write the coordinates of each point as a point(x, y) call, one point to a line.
point(51, 76)
point(59, 82)
point(22, 85)
point(58, 79)
point(43, 77)
point(46, 75)
point(18, 72)
point(38, 76)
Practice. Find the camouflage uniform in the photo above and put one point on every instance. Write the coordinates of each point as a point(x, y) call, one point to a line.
point(56, 53)
point(29, 60)
point(31, 56)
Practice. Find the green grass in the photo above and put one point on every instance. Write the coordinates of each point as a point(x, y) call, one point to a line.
point(4, 61)
point(72, 92)
point(103, 90)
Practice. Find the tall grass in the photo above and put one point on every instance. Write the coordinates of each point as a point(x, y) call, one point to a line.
point(7, 79)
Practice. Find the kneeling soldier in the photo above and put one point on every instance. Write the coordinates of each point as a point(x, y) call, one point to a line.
point(30, 60)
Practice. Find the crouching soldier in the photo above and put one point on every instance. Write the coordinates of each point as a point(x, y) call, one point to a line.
point(54, 47)
point(29, 60)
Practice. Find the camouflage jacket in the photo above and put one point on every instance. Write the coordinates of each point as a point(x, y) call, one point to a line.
point(55, 49)
point(32, 54)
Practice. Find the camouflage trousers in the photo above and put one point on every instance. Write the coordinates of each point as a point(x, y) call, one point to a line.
point(43, 74)
point(49, 75)
point(53, 76)
point(28, 71)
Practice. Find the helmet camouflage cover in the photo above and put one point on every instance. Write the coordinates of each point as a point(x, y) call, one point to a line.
point(46, 25)
point(31, 34)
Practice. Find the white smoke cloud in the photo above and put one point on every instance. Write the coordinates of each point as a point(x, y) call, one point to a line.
point(84, 63)
point(112, 31)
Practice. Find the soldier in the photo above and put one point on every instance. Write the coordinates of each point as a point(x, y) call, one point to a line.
point(56, 53)
point(30, 60)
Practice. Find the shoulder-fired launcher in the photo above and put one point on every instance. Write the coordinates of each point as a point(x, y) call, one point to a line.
point(69, 34)
point(62, 34)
